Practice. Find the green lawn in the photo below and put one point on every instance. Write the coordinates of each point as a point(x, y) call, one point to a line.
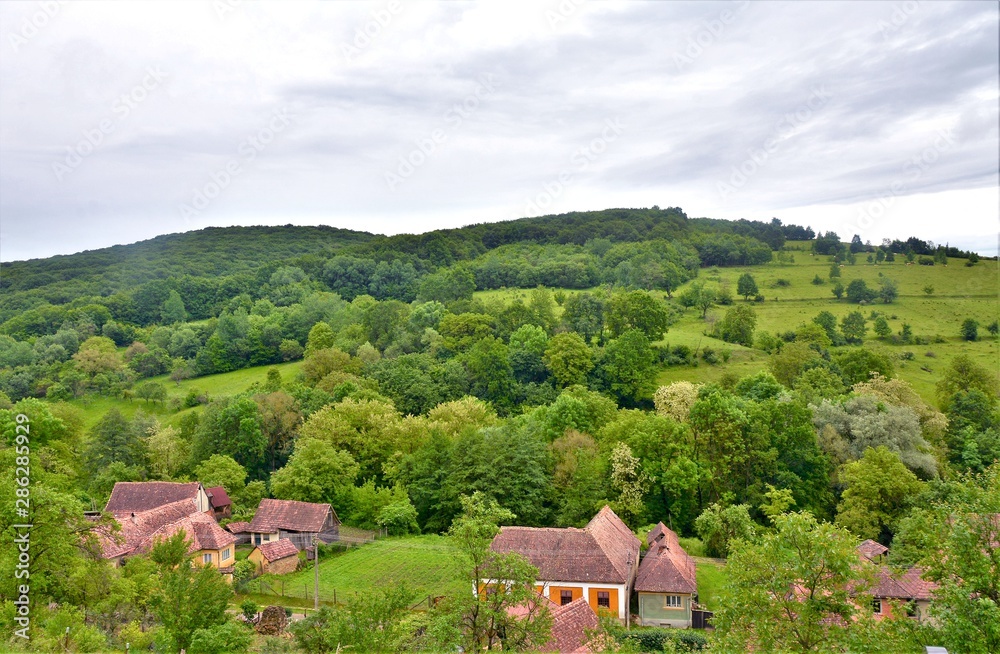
point(711, 578)
point(423, 563)
point(93, 408)
point(959, 292)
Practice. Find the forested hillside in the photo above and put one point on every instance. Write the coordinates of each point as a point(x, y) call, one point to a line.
point(716, 376)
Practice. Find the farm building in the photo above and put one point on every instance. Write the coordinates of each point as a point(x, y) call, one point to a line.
point(222, 506)
point(665, 582)
point(301, 522)
point(597, 563)
point(276, 557)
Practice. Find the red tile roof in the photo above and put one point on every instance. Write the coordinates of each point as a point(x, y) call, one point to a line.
point(570, 623)
point(278, 549)
point(666, 568)
point(238, 527)
point(909, 585)
point(290, 515)
point(603, 551)
point(146, 495)
point(218, 496)
point(141, 529)
point(871, 550)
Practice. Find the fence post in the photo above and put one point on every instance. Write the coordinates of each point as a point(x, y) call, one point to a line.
point(335, 597)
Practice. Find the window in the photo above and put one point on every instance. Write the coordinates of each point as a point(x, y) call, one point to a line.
point(206, 558)
point(256, 539)
point(911, 610)
point(604, 599)
point(226, 553)
point(565, 597)
point(672, 601)
point(877, 606)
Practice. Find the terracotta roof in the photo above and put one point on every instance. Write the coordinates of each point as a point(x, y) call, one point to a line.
point(603, 551)
point(146, 495)
point(278, 549)
point(218, 496)
point(666, 568)
point(141, 529)
point(238, 527)
point(570, 623)
point(290, 515)
point(909, 585)
point(136, 526)
point(871, 550)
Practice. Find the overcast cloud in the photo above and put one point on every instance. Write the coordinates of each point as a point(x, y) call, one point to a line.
point(121, 121)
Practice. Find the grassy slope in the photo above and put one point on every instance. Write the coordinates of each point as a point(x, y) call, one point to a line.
point(960, 292)
point(424, 563)
point(229, 383)
point(711, 579)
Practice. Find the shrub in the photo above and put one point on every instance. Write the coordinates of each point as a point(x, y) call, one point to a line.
point(970, 329)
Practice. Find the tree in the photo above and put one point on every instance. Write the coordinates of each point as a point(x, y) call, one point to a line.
point(878, 490)
point(527, 349)
point(316, 472)
point(970, 329)
point(374, 621)
point(953, 535)
point(628, 482)
point(676, 400)
point(222, 470)
point(569, 358)
point(718, 527)
point(321, 337)
point(97, 354)
point(737, 326)
point(838, 290)
point(173, 309)
point(151, 391)
point(114, 438)
point(858, 291)
point(232, 426)
point(584, 314)
point(490, 373)
point(447, 285)
point(792, 590)
point(746, 286)
point(964, 374)
point(834, 271)
point(888, 290)
point(882, 328)
point(484, 619)
point(167, 451)
point(637, 310)
point(626, 366)
point(791, 361)
point(853, 327)
point(859, 364)
point(188, 598)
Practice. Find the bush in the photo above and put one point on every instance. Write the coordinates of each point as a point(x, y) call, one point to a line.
point(970, 329)
point(225, 638)
point(657, 639)
point(708, 354)
point(818, 281)
point(925, 261)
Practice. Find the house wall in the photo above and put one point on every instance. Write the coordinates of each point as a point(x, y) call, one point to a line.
point(283, 566)
point(202, 500)
point(897, 607)
point(618, 594)
point(653, 611)
point(217, 560)
point(257, 559)
point(264, 538)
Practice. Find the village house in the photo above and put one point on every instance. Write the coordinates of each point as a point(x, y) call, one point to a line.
point(208, 543)
point(300, 522)
point(222, 506)
point(597, 563)
point(666, 582)
point(241, 530)
point(136, 496)
point(893, 592)
point(275, 557)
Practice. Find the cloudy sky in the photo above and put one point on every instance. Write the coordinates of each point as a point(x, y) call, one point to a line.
point(121, 121)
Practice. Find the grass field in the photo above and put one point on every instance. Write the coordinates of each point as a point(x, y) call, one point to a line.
point(711, 579)
point(92, 408)
point(959, 292)
point(423, 563)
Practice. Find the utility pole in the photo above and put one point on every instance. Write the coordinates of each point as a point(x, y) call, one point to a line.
point(316, 573)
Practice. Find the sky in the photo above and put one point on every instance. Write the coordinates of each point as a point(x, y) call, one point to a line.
point(122, 121)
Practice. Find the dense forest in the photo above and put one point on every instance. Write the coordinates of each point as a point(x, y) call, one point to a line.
point(413, 391)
